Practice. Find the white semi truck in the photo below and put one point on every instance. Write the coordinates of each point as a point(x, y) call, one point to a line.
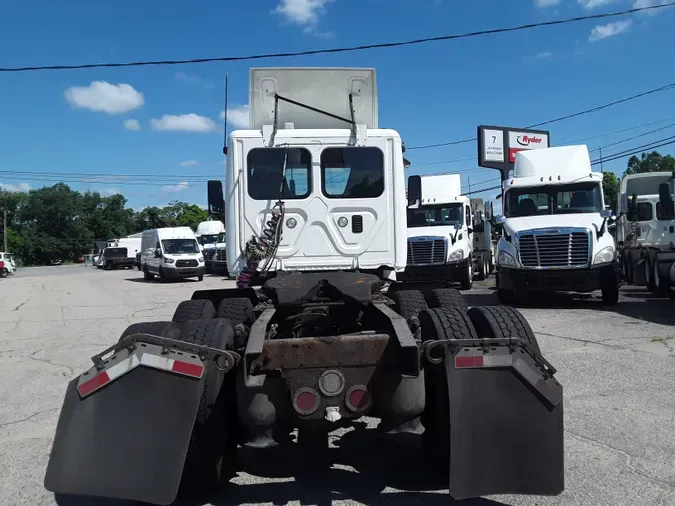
point(441, 232)
point(316, 213)
point(555, 235)
point(483, 245)
point(646, 230)
point(207, 236)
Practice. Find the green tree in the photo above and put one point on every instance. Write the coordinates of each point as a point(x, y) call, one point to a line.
point(652, 162)
point(611, 186)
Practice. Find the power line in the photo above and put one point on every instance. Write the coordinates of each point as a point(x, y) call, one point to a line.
point(561, 118)
point(634, 137)
point(340, 49)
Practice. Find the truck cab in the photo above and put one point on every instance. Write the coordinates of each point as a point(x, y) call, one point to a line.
point(322, 187)
point(646, 229)
point(440, 231)
point(207, 236)
point(555, 227)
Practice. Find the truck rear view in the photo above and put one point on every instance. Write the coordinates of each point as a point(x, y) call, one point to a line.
point(310, 340)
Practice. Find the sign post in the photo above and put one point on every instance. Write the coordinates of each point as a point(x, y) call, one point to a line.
point(497, 146)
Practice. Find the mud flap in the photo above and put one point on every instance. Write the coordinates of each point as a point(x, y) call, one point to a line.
point(506, 427)
point(127, 440)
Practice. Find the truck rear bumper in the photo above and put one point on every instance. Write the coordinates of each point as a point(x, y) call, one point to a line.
point(567, 280)
point(445, 272)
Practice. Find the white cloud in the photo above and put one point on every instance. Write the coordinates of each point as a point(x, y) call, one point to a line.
point(544, 55)
point(182, 76)
point(594, 4)
point(189, 163)
point(304, 13)
point(546, 3)
point(640, 4)
point(112, 191)
point(20, 188)
point(609, 30)
point(174, 188)
point(132, 124)
point(237, 117)
point(101, 96)
point(183, 123)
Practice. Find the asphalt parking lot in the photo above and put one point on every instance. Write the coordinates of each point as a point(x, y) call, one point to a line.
point(617, 366)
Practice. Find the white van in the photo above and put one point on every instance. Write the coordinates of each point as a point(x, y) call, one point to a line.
point(171, 253)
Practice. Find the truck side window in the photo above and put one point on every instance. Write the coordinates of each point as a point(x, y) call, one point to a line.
point(643, 212)
point(467, 212)
point(352, 172)
point(264, 167)
point(661, 215)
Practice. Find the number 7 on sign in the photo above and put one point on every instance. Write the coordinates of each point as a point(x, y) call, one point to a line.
point(494, 139)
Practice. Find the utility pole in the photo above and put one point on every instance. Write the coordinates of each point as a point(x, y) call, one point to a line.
point(4, 221)
point(602, 166)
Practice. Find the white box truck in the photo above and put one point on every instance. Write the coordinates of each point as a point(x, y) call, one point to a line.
point(171, 253)
point(555, 235)
point(646, 230)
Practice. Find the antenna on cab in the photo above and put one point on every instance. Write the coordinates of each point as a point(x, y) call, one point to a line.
point(225, 118)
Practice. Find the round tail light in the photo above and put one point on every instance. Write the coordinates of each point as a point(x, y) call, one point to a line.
point(306, 401)
point(358, 398)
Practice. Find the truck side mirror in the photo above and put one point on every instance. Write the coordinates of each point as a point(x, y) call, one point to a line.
point(215, 198)
point(666, 199)
point(158, 253)
point(606, 213)
point(500, 219)
point(457, 226)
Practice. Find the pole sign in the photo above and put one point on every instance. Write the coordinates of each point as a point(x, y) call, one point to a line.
point(497, 146)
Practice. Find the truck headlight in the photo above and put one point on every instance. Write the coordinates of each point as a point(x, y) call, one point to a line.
point(503, 258)
point(201, 259)
point(604, 256)
point(168, 260)
point(455, 256)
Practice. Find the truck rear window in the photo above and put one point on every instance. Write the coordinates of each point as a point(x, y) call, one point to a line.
point(265, 168)
point(352, 172)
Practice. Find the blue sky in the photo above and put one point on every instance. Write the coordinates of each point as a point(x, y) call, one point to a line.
point(163, 126)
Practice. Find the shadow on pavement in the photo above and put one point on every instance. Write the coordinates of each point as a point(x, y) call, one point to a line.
point(380, 461)
point(156, 281)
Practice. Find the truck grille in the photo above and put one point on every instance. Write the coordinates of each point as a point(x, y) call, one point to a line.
point(208, 254)
point(554, 250)
point(220, 255)
point(426, 252)
point(186, 263)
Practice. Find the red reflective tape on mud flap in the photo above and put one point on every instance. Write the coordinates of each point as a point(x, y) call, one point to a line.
point(524, 365)
point(188, 365)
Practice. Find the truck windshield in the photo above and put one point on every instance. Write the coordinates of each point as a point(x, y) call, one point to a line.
point(180, 246)
point(208, 239)
point(435, 216)
point(558, 199)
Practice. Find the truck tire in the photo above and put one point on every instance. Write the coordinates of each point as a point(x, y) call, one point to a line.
point(4, 272)
point(467, 277)
point(448, 297)
point(236, 309)
point(437, 324)
point(195, 309)
point(501, 322)
point(163, 329)
point(210, 461)
point(481, 274)
point(409, 303)
point(610, 293)
point(661, 283)
point(146, 274)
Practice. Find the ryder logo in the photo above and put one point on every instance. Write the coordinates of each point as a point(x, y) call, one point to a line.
point(525, 140)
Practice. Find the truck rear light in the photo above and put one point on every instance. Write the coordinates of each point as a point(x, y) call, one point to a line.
point(306, 401)
point(358, 398)
point(331, 383)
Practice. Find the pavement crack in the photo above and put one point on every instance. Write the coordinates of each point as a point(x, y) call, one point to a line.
point(49, 362)
point(585, 341)
point(629, 459)
point(14, 422)
point(24, 302)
